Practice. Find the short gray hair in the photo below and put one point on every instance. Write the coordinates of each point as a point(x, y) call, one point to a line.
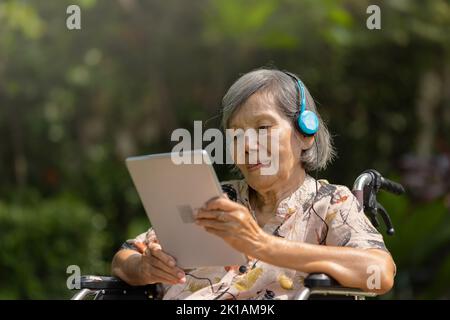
point(284, 91)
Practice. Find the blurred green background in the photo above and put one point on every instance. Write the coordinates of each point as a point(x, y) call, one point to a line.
point(75, 104)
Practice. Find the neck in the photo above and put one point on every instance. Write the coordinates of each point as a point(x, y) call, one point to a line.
point(269, 199)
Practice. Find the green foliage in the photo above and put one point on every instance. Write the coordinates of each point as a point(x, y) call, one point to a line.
point(422, 236)
point(41, 239)
point(20, 16)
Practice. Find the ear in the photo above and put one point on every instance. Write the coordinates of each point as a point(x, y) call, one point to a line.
point(306, 142)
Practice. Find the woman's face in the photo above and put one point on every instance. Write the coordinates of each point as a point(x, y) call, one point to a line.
point(260, 112)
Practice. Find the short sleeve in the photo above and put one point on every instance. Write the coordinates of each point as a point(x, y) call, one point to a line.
point(229, 188)
point(145, 238)
point(237, 191)
point(348, 225)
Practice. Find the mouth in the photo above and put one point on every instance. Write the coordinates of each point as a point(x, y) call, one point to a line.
point(256, 166)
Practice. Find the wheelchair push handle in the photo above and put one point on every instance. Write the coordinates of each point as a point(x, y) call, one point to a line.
point(391, 186)
point(365, 189)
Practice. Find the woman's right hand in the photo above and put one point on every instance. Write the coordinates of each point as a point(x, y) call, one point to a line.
point(156, 266)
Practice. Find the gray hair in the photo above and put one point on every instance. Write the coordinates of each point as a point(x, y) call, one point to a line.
point(284, 91)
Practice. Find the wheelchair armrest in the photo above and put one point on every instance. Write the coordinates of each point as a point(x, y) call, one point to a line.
point(107, 282)
point(323, 284)
point(106, 288)
point(320, 280)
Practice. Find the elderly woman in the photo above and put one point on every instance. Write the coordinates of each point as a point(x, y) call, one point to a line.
point(287, 224)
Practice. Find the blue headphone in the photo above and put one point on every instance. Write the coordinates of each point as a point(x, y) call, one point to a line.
point(307, 121)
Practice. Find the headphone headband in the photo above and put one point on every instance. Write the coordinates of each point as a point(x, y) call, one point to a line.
point(300, 89)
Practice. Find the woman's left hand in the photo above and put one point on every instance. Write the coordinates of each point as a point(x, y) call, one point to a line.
point(233, 223)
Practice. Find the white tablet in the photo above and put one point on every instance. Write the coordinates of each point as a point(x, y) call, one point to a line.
point(170, 194)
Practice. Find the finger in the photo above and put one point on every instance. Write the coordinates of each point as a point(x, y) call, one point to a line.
point(221, 203)
point(164, 257)
point(163, 281)
point(222, 216)
point(159, 274)
point(219, 233)
point(207, 223)
point(140, 246)
point(154, 246)
point(176, 272)
point(163, 274)
point(213, 214)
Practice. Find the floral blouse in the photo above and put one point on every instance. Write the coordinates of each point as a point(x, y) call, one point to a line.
point(336, 219)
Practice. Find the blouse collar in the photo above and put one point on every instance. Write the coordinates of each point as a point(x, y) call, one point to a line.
point(288, 205)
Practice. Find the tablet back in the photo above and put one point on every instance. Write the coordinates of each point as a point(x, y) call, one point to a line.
point(170, 194)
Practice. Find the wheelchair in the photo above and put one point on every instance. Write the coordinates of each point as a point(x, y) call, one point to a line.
point(317, 286)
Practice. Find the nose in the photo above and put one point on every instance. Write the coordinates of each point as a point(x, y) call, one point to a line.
point(246, 147)
point(251, 147)
point(251, 143)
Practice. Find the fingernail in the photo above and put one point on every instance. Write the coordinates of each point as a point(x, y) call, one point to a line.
point(172, 263)
point(180, 275)
point(183, 280)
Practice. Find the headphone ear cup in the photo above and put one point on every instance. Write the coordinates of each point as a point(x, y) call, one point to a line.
point(308, 123)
